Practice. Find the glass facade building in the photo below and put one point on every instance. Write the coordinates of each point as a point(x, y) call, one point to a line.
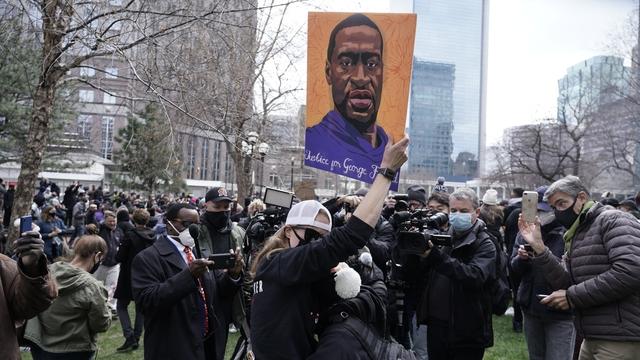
point(451, 36)
point(431, 118)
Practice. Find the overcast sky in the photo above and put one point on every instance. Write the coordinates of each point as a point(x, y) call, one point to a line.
point(531, 45)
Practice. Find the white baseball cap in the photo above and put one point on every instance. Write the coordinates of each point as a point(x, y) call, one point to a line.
point(305, 212)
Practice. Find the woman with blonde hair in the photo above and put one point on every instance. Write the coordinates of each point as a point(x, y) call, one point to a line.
point(303, 252)
point(68, 328)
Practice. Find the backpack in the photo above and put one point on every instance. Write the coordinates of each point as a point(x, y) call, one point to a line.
point(376, 346)
point(499, 285)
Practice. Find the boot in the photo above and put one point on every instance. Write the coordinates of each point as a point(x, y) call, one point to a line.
point(128, 345)
point(136, 344)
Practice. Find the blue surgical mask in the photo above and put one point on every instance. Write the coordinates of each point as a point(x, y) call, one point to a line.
point(460, 222)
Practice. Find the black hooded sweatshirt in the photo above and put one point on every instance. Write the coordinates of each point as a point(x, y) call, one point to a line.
point(133, 242)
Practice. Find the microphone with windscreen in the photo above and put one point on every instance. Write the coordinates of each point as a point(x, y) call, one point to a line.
point(193, 231)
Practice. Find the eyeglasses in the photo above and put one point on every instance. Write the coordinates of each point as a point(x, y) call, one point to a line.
point(186, 223)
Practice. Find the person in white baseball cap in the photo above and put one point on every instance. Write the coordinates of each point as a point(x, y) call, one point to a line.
point(302, 253)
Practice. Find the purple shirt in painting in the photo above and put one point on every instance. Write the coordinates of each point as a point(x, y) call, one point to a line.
point(337, 146)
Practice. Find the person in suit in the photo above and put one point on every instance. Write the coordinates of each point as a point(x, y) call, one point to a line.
point(179, 295)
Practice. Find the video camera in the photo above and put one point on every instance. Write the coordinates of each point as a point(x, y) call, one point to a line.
point(415, 230)
point(264, 224)
point(402, 202)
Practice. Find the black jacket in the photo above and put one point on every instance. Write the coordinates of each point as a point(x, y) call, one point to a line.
point(112, 237)
point(511, 224)
point(381, 242)
point(133, 242)
point(336, 341)
point(281, 314)
point(457, 293)
point(168, 294)
point(125, 226)
point(8, 199)
point(533, 281)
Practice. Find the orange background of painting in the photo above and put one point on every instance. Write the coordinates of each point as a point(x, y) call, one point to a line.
point(398, 34)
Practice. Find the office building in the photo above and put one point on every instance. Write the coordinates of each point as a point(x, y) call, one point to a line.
point(455, 33)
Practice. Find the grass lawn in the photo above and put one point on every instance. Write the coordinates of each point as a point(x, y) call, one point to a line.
point(507, 344)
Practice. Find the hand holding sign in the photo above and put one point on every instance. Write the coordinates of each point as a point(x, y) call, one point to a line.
point(395, 155)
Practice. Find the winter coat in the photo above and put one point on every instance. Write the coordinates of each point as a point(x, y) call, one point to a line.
point(381, 242)
point(124, 226)
point(51, 242)
point(133, 242)
point(8, 199)
point(168, 295)
point(112, 238)
point(79, 213)
point(511, 224)
point(75, 318)
point(601, 274)
point(15, 288)
point(533, 281)
point(231, 237)
point(464, 272)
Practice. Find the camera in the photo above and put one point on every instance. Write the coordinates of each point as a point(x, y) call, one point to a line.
point(402, 202)
point(417, 228)
point(264, 224)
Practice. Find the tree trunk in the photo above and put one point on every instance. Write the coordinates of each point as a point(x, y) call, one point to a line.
point(43, 100)
point(33, 152)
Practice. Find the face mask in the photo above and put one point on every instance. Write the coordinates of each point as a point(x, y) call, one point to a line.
point(567, 216)
point(309, 236)
point(184, 237)
point(217, 219)
point(95, 267)
point(460, 222)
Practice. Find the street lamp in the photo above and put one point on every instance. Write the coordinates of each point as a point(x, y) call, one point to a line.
point(247, 150)
point(293, 162)
point(263, 150)
point(252, 138)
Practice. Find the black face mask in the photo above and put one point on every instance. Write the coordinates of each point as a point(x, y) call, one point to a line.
point(567, 216)
point(217, 219)
point(309, 236)
point(95, 267)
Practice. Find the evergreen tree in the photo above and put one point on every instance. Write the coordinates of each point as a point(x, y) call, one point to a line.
point(147, 159)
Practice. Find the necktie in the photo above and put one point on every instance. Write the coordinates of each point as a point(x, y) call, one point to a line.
point(201, 291)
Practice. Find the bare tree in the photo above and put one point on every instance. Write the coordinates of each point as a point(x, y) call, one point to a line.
point(228, 78)
point(72, 33)
point(553, 148)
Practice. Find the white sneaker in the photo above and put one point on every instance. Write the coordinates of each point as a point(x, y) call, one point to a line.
point(509, 311)
point(232, 329)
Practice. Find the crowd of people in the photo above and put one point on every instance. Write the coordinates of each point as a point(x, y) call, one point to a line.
point(361, 276)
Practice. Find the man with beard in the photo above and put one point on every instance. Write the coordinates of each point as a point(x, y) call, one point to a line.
point(354, 71)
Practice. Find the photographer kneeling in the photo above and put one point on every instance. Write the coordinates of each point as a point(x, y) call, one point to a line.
point(456, 305)
point(290, 262)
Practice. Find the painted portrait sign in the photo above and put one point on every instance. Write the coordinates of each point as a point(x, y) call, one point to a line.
point(359, 72)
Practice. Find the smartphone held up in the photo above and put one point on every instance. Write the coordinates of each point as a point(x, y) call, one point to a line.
point(529, 206)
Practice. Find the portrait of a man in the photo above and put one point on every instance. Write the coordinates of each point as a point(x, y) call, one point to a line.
point(349, 140)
